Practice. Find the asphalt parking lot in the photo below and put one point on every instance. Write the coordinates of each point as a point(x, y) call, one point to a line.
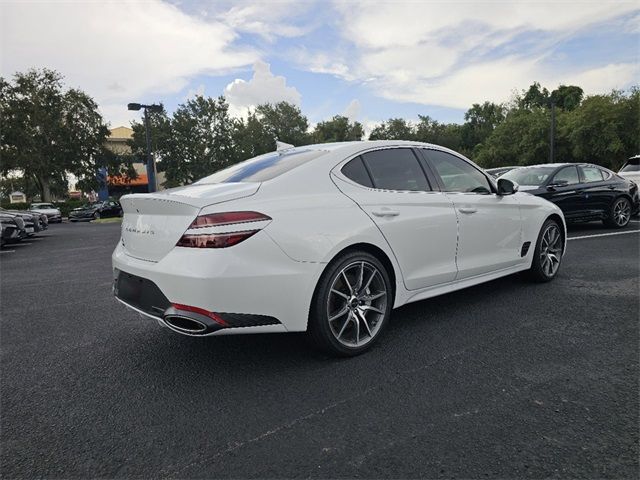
point(508, 379)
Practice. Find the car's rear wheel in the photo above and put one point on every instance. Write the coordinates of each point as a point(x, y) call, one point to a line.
point(619, 213)
point(96, 215)
point(351, 305)
point(548, 252)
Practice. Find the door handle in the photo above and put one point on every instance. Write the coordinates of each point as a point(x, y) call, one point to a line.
point(385, 213)
point(468, 210)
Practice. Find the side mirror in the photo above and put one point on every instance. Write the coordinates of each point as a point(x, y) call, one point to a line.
point(507, 187)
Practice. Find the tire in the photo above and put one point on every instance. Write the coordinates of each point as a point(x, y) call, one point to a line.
point(96, 215)
point(351, 305)
point(547, 255)
point(619, 213)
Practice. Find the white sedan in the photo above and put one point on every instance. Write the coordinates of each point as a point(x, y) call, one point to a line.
point(327, 239)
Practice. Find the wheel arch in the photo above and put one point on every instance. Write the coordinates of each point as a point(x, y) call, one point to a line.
point(558, 218)
point(371, 249)
point(380, 255)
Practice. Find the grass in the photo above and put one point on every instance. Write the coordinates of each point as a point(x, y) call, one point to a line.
point(108, 220)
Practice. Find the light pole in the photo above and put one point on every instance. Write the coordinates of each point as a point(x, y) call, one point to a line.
point(151, 164)
point(552, 132)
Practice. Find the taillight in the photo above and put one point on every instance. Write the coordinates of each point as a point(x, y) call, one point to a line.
point(227, 218)
point(214, 240)
point(220, 240)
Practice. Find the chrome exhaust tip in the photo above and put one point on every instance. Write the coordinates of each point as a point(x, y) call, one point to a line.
point(189, 323)
point(185, 325)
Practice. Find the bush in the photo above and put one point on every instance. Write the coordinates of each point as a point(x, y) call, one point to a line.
point(15, 206)
point(64, 206)
point(68, 205)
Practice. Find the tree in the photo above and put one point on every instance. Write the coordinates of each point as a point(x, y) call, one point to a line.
point(535, 97)
point(431, 131)
point(338, 129)
point(605, 129)
point(522, 139)
point(47, 132)
point(201, 140)
point(480, 122)
point(393, 129)
point(285, 122)
point(251, 137)
point(161, 134)
point(567, 97)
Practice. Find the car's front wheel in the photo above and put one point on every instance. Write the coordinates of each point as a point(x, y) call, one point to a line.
point(619, 213)
point(351, 305)
point(548, 252)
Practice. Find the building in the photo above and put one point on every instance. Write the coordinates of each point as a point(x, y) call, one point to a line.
point(117, 142)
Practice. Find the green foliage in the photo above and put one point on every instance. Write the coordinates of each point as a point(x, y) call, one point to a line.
point(605, 129)
point(285, 122)
point(48, 132)
point(393, 129)
point(445, 134)
point(7, 205)
point(338, 129)
point(65, 206)
point(567, 97)
point(201, 140)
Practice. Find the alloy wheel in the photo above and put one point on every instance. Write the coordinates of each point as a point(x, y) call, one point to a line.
point(621, 212)
point(356, 304)
point(551, 250)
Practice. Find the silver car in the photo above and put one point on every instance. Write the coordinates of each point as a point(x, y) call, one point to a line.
point(54, 215)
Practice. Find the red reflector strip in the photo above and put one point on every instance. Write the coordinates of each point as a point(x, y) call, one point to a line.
point(214, 240)
point(227, 218)
point(201, 311)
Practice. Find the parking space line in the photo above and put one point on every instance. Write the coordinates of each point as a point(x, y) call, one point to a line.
point(22, 244)
point(603, 235)
point(7, 251)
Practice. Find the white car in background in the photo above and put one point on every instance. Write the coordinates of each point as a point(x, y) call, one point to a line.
point(327, 239)
point(51, 211)
point(631, 170)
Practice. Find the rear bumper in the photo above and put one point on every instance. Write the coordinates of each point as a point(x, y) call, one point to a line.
point(253, 286)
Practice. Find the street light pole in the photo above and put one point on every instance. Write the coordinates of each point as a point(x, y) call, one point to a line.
point(552, 132)
point(151, 164)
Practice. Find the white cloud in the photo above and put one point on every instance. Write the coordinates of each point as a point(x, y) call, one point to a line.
point(352, 112)
point(117, 51)
point(455, 53)
point(496, 79)
point(195, 92)
point(269, 20)
point(264, 87)
point(321, 62)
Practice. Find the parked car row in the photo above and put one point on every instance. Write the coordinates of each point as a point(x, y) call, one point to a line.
point(583, 191)
point(96, 210)
point(16, 225)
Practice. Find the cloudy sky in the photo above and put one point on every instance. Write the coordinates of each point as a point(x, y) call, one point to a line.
point(369, 60)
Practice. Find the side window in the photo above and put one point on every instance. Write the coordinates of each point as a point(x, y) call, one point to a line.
point(591, 174)
point(458, 175)
point(395, 169)
point(606, 174)
point(356, 171)
point(568, 175)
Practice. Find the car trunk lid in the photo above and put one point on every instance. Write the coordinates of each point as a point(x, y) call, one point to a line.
point(153, 223)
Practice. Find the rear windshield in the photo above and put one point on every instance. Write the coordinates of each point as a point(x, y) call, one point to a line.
point(262, 168)
point(632, 165)
point(531, 176)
